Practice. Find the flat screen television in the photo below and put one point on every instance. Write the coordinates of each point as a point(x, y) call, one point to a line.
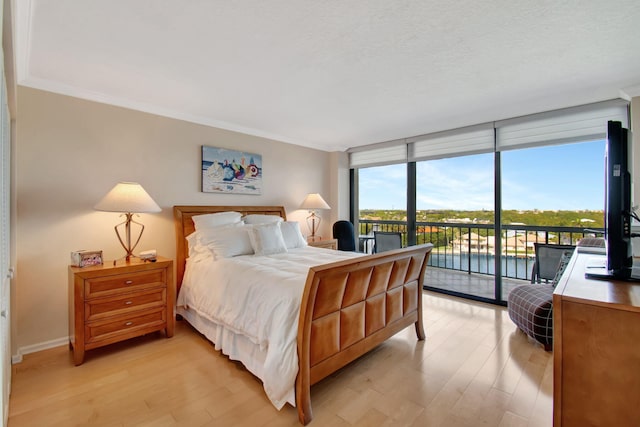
point(618, 207)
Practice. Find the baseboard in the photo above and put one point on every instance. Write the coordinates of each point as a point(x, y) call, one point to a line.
point(17, 358)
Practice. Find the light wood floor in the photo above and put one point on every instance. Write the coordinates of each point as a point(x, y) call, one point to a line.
point(474, 369)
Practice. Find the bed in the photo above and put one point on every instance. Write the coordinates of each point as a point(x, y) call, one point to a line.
point(344, 307)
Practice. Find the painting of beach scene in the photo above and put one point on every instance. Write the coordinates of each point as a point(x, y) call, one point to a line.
point(231, 171)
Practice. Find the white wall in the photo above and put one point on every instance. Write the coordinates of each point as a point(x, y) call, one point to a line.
point(70, 152)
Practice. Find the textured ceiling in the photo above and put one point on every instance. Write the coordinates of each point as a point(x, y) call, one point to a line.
point(332, 74)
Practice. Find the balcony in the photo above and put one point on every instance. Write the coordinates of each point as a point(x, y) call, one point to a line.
point(463, 258)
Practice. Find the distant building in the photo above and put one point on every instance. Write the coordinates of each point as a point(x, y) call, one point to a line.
point(470, 242)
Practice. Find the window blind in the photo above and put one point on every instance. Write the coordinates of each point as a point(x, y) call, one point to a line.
point(577, 124)
point(383, 155)
point(470, 140)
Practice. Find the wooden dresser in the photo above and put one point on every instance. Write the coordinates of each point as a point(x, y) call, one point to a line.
point(596, 327)
point(110, 303)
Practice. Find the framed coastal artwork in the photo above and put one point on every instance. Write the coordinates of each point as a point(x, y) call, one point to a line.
point(231, 171)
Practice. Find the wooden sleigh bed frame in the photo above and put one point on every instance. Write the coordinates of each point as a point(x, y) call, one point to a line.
point(348, 307)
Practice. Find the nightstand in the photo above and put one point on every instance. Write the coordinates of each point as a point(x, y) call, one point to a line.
point(110, 303)
point(326, 243)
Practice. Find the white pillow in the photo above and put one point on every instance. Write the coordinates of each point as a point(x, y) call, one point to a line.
point(261, 219)
point(292, 235)
point(195, 248)
point(229, 242)
point(266, 239)
point(199, 241)
point(204, 236)
point(216, 219)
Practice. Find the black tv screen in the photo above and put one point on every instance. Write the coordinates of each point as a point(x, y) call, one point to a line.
point(618, 205)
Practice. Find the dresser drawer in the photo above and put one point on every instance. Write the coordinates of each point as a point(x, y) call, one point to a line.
point(98, 308)
point(113, 329)
point(111, 285)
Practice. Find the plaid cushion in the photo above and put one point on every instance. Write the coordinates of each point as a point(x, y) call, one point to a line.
point(531, 309)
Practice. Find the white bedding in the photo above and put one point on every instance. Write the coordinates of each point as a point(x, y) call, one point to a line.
point(255, 300)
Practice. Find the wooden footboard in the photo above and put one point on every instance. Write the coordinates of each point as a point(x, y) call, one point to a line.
point(349, 307)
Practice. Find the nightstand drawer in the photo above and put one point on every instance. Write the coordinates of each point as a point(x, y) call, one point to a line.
point(121, 304)
point(125, 325)
point(111, 285)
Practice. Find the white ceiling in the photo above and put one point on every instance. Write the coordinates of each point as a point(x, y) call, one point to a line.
point(332, 74)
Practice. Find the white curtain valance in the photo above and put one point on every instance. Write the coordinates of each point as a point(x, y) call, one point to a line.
point(384, 155)
point(470, 140)
point(577, 124)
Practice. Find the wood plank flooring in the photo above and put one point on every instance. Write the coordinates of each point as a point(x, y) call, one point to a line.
point(474, 369)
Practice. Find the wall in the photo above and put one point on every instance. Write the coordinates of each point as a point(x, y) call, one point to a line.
point(70, 152)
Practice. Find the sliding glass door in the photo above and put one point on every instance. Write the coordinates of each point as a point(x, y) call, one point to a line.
point(454, 211)
point(550, 194)
point(382, 202)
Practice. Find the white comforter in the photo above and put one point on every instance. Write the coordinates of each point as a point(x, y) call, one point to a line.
point(259, 298)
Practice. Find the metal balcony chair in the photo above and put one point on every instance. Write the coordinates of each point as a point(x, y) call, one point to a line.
point(547, 260)
point(386, 241)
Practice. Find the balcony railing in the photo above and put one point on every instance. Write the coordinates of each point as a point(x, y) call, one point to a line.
point(472, 247)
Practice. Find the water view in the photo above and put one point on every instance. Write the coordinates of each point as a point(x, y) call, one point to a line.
point(513, 267)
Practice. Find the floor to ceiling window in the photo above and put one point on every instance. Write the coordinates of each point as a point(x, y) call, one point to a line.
point(483, 195)
point(550, 194)
point(382, 201)
point(562, 178)
point(454, 211)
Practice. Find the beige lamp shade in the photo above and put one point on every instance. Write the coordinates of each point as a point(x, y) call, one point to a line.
point(127, 197)
point(314, 201)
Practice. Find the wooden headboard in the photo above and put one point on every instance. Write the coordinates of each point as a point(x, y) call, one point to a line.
point(184, 226)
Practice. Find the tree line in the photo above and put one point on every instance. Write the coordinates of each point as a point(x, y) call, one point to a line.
point(560, 218)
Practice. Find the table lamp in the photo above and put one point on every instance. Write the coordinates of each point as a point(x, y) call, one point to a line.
point(312, 202)
point(128, 198)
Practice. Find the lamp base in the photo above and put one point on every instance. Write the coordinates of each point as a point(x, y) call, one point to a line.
point(313, 221)
point(127, 232)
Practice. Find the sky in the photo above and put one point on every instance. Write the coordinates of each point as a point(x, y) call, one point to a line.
point(560, 177)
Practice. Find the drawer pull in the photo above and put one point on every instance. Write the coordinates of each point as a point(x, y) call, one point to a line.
point(128, 302)
point(128, 282)
point(128, 324)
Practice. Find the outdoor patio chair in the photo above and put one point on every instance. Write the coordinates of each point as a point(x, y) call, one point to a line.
point(386, 241)
point(547, 260)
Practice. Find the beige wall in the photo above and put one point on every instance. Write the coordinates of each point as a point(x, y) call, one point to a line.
point(70, 152)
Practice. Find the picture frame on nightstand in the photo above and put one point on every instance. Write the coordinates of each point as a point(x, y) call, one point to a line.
point(84, 258)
